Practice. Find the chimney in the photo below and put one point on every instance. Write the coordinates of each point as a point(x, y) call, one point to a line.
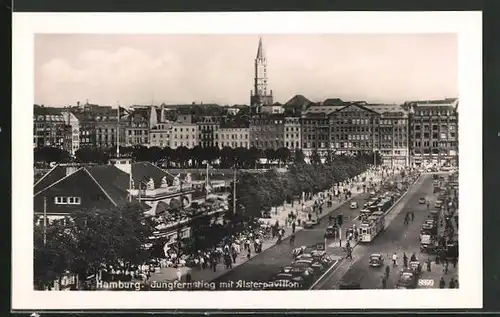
point(78, 103)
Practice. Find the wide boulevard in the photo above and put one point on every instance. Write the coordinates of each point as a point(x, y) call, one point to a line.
point(398, 237)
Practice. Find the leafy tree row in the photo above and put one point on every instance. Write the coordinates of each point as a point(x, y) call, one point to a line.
point(90, 239)
point(180, 157)
point(260, 192)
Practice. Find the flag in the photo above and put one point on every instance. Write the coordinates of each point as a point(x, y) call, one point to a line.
point(123, 113)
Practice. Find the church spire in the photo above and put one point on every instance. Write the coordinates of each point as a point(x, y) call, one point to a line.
point(260, 50)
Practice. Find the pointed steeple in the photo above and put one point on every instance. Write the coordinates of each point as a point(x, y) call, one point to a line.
point(260, 50)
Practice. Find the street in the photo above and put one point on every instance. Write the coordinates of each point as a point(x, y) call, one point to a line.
point(265, 265)
point(398, 238)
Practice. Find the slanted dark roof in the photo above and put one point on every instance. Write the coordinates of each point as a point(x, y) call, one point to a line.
point(113, 181)
point(298, 101)
point(333, 102)
point(144, 171)
point(52, 176)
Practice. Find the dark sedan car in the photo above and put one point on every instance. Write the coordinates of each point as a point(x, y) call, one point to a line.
point(407, 280)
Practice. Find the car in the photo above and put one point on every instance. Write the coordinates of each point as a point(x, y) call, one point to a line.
point(407, 280)
point(422, 200)
point(330, 232)
point(317, 266)
point(302, 269)
point(415, 267)
point(354, 205)
point(310, 223)
point(372, 193)
point(438, 205)
point(376, 260)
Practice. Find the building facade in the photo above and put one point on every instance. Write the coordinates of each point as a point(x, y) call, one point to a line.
point(233, 135)
point(393, 134)
point(434, 132)
point(184, 134)
point(74, 122)
point(207, 130)
point(160, 135)
point(137, 130)
point(315, 134)
point(267, 131)
point(292, 133)
point(51, 129)
point(260, 95)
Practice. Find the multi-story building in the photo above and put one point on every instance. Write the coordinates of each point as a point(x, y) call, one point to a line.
point(51, 129)
point(275, 108)
point(434, 132)
point(207, 129)
point(267, 131)
point(184, 134)
point(160, 135)
point(315, 122)
point(137, 130)
point(260, 95)
point(74, 122)
point(354, 129)
point(393, 134)
point(233, 134)
point(292, 132)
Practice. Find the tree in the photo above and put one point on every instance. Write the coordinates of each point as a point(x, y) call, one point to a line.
point(155, 154)
point(315, 158)
point(227, 157)
point(94, 238)
point(299, 157)
point(91, 155)
point(283, 155)
point(197, 155)
point(141, 154)
point(241, 155)
point(270, 154)
point(168, 154)
point(182, 155)
point(254, 154)
point(50, 154)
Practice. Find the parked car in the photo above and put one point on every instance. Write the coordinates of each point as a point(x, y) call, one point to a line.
point(422, 200)
point(376, 260)
point(354, 205)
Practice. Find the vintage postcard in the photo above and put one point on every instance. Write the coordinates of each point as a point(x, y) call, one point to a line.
point(239, 161)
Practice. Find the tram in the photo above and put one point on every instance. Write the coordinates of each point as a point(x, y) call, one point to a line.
point(372, 226)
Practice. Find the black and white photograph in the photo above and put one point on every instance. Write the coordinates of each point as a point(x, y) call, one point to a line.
point(218, 161)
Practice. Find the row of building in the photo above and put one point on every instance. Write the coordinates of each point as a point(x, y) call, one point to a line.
point(415, 132)
point(402, 134)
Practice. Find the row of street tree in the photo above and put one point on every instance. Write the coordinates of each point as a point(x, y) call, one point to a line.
point(260, 192)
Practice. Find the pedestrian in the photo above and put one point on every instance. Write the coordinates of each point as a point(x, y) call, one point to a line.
point(293, 227)
point(394, 260)
point(442, 283)
point(387, 271)
point(428, 265)
point(405, 260)
point(179, 274)
point(413, 257)
point(292, 239)
point(406, 219)
point(452, 283)
point(384, 282)
point(454, 261)
point(249, 254)
point(412, 214)
point(445, 267)
point(349, 253)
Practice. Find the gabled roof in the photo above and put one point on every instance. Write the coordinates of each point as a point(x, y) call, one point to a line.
point(297, 101)
point(54, 175)
point(112, 181)
point(333, 102)
point(144, 171)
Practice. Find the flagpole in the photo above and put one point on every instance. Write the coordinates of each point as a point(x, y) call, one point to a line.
point(118, 133)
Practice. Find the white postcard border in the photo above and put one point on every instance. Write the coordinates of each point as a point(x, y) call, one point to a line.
point(466, 24)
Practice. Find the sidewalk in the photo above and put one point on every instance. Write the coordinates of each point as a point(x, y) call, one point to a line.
point(170, 274)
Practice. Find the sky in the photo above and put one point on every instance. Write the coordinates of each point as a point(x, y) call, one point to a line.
point(180, 69)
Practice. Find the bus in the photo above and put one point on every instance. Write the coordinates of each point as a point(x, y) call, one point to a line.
point(371, 226)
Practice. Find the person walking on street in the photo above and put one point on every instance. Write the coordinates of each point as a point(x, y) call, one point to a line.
point(452, 283)
point(384, 282)
point(292, 239)
point(428, 265)
point(293, 227)
point(445, 267)
point(412, 214)
point(442, 283)
point(394, 260)
point(405, 260)
point(387, 271)
point(454, 261)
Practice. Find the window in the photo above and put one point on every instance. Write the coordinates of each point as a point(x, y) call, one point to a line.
point(67, 200)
